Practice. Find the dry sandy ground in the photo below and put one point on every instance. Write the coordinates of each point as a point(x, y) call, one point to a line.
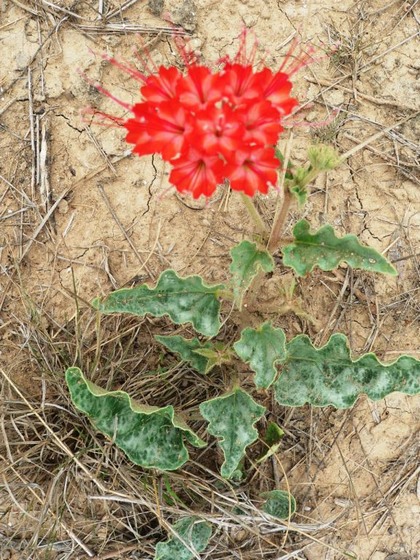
point(80, 215)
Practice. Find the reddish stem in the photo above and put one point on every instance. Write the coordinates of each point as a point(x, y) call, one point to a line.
point(279, 220)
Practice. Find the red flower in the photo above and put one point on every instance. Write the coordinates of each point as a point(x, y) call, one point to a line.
point(276, 88)
point(198, 88)
point(162, 86)
point(252, 170)
point(218, 130)
point(213, 125)
point(138, 130)
point(197, 173)
point(162, 130)
point(240, 84)
point(262, 123)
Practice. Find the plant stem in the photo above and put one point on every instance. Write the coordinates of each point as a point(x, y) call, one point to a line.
point(279, 220)
point(255, 215)
point(283, 210)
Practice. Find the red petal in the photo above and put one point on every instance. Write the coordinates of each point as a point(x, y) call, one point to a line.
point(138, 134)
point(277, 90)
point(196, 173)
point(198, 88)
point(161, 86)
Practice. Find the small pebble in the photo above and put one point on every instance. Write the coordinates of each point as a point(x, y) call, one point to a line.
point(155, 7)
point(186, 15)
point(63, 207)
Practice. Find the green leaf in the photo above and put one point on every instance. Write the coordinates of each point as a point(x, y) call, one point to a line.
point(183, 299)
point(299, 184)
point(247, 261)
point(231, 418)
point(279, 504)
point(186, 348)
point(193, 537)
point(169, 495)
point(272, 439)
point(300, 193)
point(217, 355)
point(273, 435)
point(150, 436)
point(325, 250)
point(329, 376)
point(262, 348)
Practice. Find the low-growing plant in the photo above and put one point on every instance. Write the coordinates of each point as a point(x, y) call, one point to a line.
point(215, 127)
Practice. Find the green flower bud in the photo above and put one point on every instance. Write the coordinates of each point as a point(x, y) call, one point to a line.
point(323, 157)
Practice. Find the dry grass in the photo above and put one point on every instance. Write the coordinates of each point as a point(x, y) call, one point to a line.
point(76, 490)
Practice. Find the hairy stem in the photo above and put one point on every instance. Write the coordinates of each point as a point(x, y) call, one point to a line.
point(255, 215)
point(279, 220)
point(283, 210)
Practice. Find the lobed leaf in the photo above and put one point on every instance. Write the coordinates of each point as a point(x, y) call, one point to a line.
point(262, 348)
point(247, 261)
point(329, 376)
point(279, 504)
point(150, 436)
point(326, 251)
point(185, 300)
point(194, 536)
point(231, 418)
point(186, 348)
point(300, 193)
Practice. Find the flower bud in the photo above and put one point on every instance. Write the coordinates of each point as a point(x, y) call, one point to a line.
point(323, 157)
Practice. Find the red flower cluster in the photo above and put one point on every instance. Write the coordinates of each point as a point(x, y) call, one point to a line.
point(212, 126)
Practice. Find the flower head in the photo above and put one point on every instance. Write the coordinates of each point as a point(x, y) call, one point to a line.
point(212, 125)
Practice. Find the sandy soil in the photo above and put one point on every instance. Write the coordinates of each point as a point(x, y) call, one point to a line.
point(81, 215)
